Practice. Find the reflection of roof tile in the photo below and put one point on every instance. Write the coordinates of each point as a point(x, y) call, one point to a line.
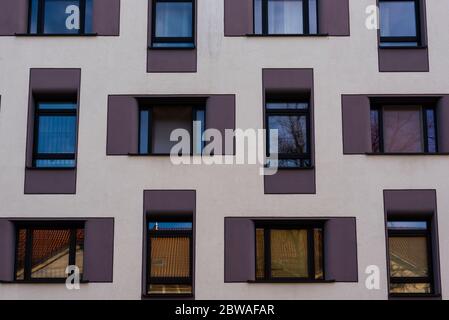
point(170, 257)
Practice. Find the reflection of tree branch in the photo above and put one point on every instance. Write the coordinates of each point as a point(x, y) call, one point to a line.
point(292, 137)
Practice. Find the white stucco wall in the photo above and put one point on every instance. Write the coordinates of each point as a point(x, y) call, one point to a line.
point(113, 186)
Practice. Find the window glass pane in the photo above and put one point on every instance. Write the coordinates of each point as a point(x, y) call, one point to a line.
point(289, 254)
point(375, 132)
point(170, 257)
point(170, 226)
point(408, 257)
point(57, 106)
point(402, 129)
point(50, 253)
point(287, 105)
point(173, 19)
point(144, 127)
point(285, 17)
point(20, 254)
point(34, 9)
point(88, 25)
point(431, 130)
point(260, 254)
point(258, 16)
point(410, 288)
point(397, 19)
point(56, 134)
point(292, 134)
point(318, 254)
point(165, 120)
point(62, 16)
point(313, 20)
point(417, 225)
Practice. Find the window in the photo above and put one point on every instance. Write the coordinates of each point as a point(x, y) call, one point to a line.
point(43, 252)
point(55, 135)
point(158, 122)
point(60, 16)
point(399, 23)
point(285, 17)
point(291, 119)
point(287, 253)
point(410, 257)
point(170, 256)
point(173, 23)
point(403, 129)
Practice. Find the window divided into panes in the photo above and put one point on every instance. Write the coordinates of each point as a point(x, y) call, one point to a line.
point(60, 16)
point(173, 24)
point(157, 123)
point(291, 120)
point(410, 257)
point(400, 23)
point(404, 129)
point(55, 131)
point(170, 257)
point(288, 17)
point(43, 252)
point(289, 253)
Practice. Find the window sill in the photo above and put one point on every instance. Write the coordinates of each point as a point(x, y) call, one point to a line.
point(51, 168)
point(406, 154)
point(401, 47)
point(167, 296)
point(291, 281)
point(399, 296)
point(318, 35)
point(172, 48)
point(55, 35)
point(42, 281)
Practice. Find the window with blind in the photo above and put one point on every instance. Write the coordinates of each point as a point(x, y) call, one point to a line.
point(170, 255)
point(44, 251)
point(410, 257)
point(55, 129)
point(289, 253)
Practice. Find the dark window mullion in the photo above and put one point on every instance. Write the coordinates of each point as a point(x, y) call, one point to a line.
point(72, 247)
point(265, 17)
point(40, 16)
point(305, 14)
point(82, 16)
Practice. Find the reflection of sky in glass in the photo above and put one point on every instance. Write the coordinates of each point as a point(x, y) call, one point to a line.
point(170, 226)
point(56, 134)
point(199, 143)
point(144, 125)
point(421, 225)
point(56, 16)
point(287, 105)
point(285, 17)
point(173, 19)
point(397, 19)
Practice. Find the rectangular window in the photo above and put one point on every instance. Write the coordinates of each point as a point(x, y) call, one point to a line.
point(291, 119)
point(288, 17)
point(173, 24)
point(288, 253)
point(170, 257)
point(158, 122)
point(410, 257)
point(55, 135)
point(403, 129)
point(60, 16)
point(43, 252)
point(399, 23)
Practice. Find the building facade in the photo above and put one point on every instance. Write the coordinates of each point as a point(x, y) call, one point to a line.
point(91, 90)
